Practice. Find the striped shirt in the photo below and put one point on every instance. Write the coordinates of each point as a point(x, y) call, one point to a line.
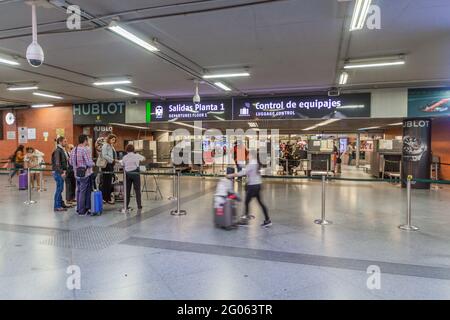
point(83, 159)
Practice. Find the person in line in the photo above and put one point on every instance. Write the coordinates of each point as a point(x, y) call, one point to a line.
point(350, 151)
point(130, 164)
point(110, 155)
point(59, 169)
point(82, 163)
point(253, 189)
point(17, 161)
point(71, 183)
point(33, 160)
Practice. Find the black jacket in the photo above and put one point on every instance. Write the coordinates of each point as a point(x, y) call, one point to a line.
point(60, 162)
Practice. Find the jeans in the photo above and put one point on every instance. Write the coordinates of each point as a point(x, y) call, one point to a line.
point(134, 178)
point(84, 190)
point(58, 202)
point(17, 167)
point(253, 191)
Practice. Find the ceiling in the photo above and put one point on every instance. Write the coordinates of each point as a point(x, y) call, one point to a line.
point(287, 45)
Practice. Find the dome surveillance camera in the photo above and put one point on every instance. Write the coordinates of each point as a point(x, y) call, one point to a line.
point(35, 55)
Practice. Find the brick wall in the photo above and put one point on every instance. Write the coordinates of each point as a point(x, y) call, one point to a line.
point(43, 120)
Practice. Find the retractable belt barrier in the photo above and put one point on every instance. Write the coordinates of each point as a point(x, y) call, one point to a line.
point(177, 175)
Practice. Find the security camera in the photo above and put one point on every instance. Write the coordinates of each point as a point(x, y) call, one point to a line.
point(35, 55)
point(196, 98)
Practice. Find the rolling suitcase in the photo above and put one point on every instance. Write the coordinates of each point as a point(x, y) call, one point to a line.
point(96, 202)
point(225, 215)
point(23, 181)
point(118, 191)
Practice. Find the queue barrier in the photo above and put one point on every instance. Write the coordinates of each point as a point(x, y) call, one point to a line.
point(408, 226)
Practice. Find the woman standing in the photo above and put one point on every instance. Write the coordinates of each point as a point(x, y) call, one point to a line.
point(109, 154)
point(130, 164)
point(33, 160)
point(17, 160)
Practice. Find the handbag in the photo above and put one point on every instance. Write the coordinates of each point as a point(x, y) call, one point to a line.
point(81, 171)
point(101, 162)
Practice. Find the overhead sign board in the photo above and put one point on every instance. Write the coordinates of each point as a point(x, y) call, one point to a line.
point(99, 113)
point(431, 102)
point(189, 111)
point(303, 107)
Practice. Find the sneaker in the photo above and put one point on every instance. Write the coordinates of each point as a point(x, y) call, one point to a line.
point(266, 224)
point(60, 209)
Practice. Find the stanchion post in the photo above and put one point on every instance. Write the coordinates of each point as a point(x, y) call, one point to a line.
point(178, 212)
point(323, 221)
point(41, 180)
point(29, 201)
point(124, 208)
point(436, 176)
point(408, 226)
point(174, 195)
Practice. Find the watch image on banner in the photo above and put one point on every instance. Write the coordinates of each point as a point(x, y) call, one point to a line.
point(433, 102)
point(304, 107)
point(188, 111)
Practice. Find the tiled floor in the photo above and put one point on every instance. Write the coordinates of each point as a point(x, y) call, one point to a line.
point(158, 256)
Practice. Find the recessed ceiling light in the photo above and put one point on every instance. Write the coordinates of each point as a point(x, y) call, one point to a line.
point(127, 92)
point(222, 86)
point(18, 88)
point(46, 95)
point(343, 78)
point(115, 27)
point(112, 82)
point(360, 14)
point(43, 105)
point(226, 75)
point(369, 128)
point(321, 124)
point(9, 61)
point(375, 62)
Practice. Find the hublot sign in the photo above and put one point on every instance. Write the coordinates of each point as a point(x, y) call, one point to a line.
point(99, 113)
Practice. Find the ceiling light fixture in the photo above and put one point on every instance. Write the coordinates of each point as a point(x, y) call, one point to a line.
point(369, 128)
point(189, 125)
point(115, 27)
point(226, 75)
point(253, 124)
point(360, 14)
point(343, 78)
point(375, 62)
point(112, 82)
point(396, 124)
point(131, 93)
point(9, 61)
point(321, 124)
point(18, 88)
point(43, 105)
point(223, 86)
point(46, 95)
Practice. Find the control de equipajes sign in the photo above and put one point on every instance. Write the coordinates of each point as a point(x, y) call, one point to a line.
point(303, 107)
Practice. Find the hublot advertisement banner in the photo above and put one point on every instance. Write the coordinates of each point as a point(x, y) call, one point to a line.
point(429, 102)
point(99, 113)
point(303, 107)
point(217, 110)
point(417, 151)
